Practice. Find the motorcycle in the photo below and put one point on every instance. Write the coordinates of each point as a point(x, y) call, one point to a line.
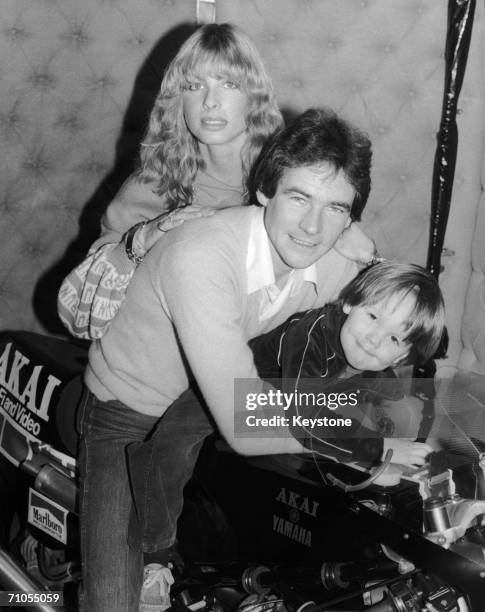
point(40, 388)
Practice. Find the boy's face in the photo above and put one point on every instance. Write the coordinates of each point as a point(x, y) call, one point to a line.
point(309, 211)
point(372, 336)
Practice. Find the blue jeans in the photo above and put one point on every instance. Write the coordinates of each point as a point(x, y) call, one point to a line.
point(114, 439)
point(112, 570)
point(159, 469)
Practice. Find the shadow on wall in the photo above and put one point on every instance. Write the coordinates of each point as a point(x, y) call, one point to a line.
point(145, 90)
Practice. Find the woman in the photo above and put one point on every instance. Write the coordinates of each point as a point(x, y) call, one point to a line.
point(215, 109)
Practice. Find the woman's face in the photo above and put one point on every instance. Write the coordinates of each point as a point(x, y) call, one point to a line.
point(215, 111)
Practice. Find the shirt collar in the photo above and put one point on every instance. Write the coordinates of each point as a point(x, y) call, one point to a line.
point(259, 264)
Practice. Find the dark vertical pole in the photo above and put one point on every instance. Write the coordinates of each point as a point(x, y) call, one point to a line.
point(460, 22)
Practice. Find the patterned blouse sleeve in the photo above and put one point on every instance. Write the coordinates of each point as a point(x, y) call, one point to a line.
point(91, 295)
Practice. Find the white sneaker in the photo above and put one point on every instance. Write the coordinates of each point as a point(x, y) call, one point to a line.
point(155, 592)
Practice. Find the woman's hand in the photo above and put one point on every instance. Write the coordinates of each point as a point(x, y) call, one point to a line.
point(148, 235)
point(407, 452)
point(354, 244)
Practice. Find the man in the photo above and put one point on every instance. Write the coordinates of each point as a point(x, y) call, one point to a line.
point(189, 312)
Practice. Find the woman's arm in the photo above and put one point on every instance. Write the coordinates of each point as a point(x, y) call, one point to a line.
point(90, 296)
point(354, 244)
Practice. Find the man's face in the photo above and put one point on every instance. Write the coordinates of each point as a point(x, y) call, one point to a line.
point(373, 336)
point(309, 211)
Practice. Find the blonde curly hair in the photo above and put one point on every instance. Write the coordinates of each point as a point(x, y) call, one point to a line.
point(169, 153)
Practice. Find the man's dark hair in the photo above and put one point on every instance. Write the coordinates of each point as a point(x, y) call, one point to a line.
point(318, 136)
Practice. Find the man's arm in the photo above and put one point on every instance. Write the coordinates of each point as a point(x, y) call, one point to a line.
point(204, 300)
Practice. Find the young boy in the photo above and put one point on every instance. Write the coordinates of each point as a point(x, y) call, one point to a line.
point(389, 315)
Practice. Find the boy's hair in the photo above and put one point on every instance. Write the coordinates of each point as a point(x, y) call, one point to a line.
point(317, 137)
point(383, 280)
point(169, 153)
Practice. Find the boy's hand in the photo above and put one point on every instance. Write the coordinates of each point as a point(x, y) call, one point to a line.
point(407, 452)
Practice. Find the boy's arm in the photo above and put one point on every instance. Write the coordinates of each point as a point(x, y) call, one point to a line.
point(334, 434)
point(268, 349)
point(308, 360)
point(297, 352)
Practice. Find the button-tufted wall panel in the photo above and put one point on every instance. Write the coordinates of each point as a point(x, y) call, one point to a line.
point(67, 72)
point(381, 64)
point(465, 223)
point(78, 78)
point(473, 354)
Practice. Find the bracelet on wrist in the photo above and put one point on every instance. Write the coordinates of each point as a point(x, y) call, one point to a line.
point(374, 258)
point(128, 239)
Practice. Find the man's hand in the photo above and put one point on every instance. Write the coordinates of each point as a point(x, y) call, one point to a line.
point(407, 452)
point(354, 244)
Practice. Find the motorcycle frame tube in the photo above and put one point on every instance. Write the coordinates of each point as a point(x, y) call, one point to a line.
point(13, 577)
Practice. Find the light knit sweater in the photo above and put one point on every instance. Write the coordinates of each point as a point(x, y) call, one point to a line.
point(188, 305)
